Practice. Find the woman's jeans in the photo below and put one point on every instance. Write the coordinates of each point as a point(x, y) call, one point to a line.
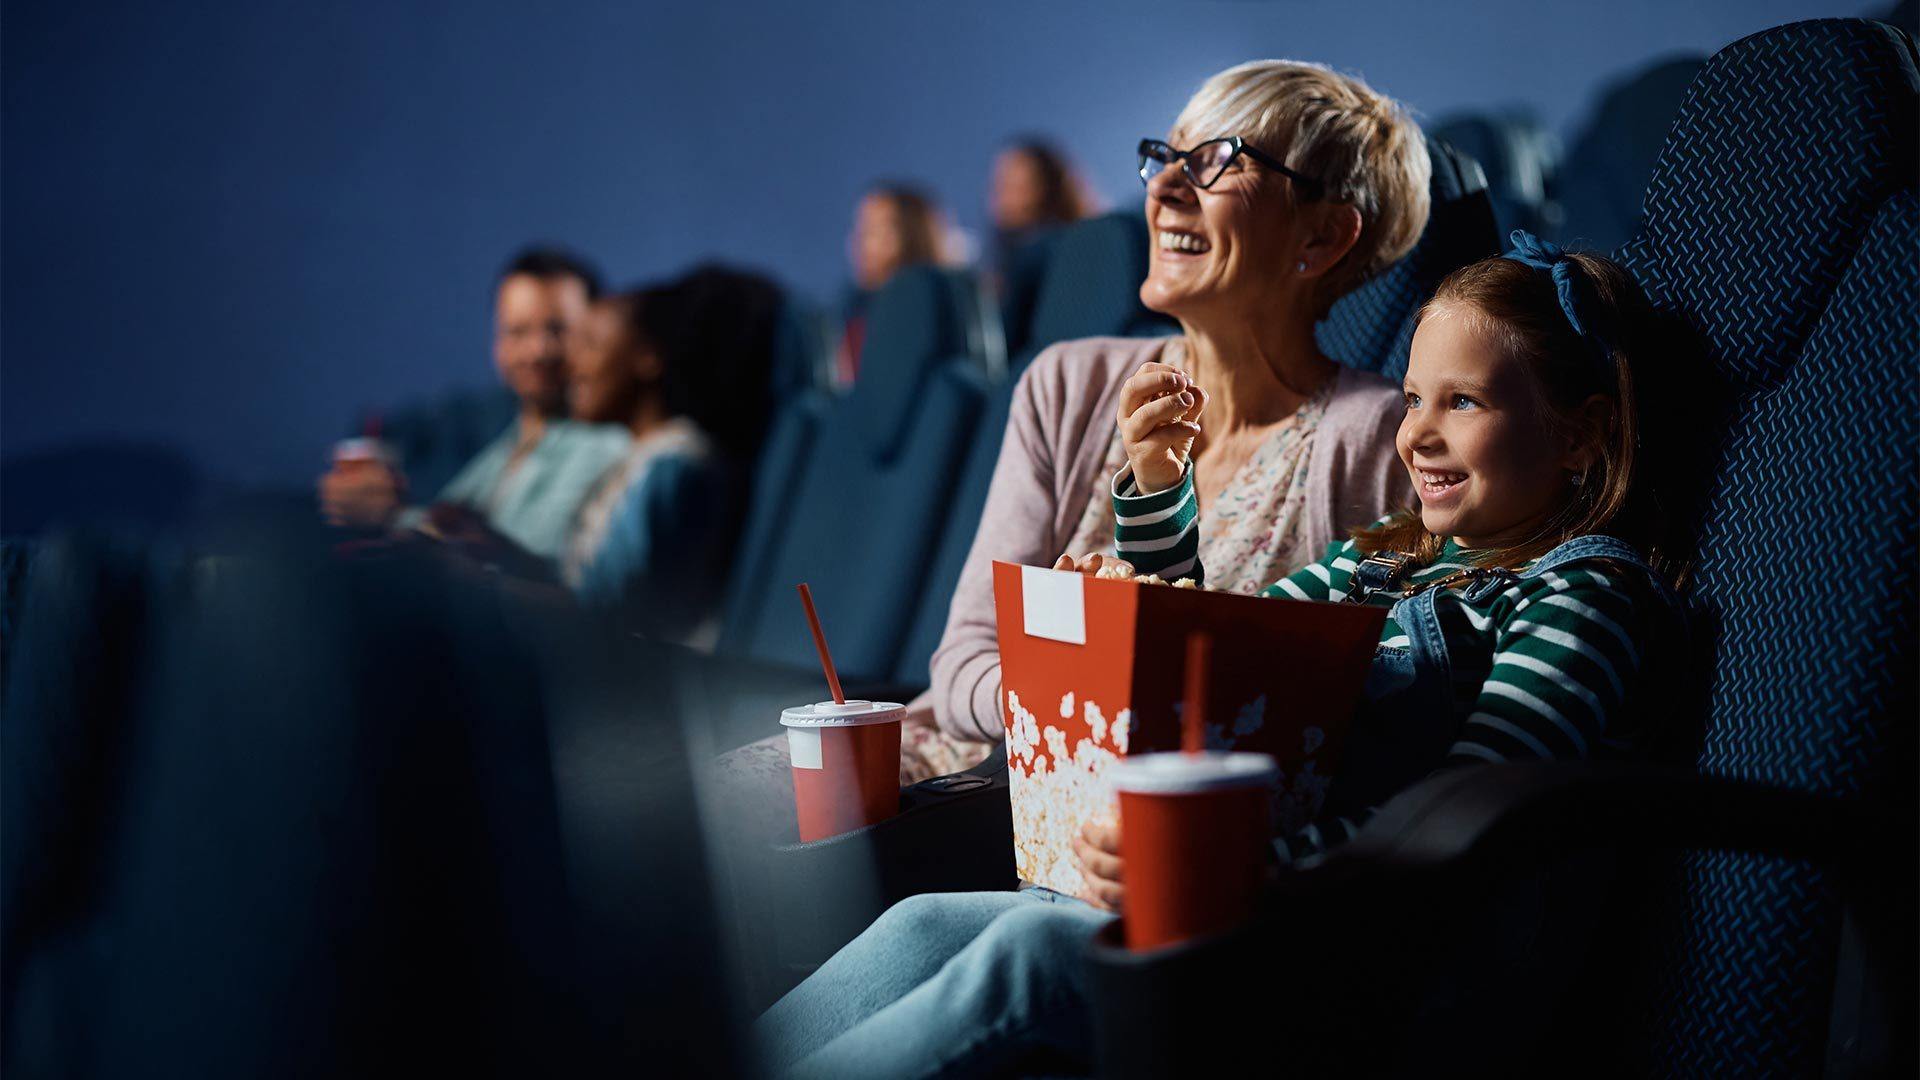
point(945, 984)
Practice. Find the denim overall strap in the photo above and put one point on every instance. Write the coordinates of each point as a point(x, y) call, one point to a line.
point(1579, 549)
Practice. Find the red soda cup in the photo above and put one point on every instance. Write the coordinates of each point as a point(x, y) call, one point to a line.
point(1195, 830)
point(846, 765)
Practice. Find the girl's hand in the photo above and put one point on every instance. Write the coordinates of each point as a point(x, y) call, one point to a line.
point(1092, 564)
point(1160, 409)
point(1098, 849)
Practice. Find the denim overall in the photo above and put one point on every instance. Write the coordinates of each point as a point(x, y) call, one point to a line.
point(1408, 718)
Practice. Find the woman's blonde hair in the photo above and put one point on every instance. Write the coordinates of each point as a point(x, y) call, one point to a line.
point(1361, 145)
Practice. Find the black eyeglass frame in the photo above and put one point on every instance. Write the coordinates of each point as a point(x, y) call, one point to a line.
point(1309, 186)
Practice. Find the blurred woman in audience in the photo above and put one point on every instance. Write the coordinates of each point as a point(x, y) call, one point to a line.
point(684, 367)
point(1035, 192)
point(896, 225)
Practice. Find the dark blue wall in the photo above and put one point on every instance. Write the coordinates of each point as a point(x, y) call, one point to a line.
point(228, 226)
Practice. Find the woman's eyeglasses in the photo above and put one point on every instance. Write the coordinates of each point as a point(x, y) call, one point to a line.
point(1207, 162)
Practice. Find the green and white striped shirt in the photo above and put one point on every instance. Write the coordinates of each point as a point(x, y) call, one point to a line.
point(1540, 668)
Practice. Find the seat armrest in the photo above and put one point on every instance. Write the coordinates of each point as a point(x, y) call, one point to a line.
point(1516, 811)
point(952, 834)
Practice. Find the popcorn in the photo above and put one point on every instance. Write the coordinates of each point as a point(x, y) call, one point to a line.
point(1066, 705)
point(1114, 572)
point(1051, 805)
point(1186, 583)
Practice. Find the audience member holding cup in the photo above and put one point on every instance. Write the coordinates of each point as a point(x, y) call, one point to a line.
point(1531, 607)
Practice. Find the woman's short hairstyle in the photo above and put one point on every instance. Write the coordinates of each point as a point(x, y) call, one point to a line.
point(1363, 147)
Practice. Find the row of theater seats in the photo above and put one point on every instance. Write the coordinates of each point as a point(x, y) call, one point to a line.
point(245, 853)
point(1744, 906)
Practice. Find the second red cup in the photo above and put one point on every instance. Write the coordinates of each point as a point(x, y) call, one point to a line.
point(1194, 836)
point(846, 765)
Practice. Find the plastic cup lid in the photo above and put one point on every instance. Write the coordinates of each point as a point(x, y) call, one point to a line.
point(834, 714)
point(360, 447)
point(1182, 773)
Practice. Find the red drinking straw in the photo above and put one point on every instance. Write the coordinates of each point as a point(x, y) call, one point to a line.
point(1193, 734)
point(820, 642)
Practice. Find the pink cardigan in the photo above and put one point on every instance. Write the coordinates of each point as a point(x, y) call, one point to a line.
point(1051, 463)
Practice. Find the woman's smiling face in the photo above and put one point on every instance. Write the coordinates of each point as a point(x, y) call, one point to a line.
point(1486, 459)
point(1225, 248)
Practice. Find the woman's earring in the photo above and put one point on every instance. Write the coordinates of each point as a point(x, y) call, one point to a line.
point(1579, 478)
point(1301, 266)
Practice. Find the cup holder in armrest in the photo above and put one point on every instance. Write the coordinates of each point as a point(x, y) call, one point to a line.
point(953, 834)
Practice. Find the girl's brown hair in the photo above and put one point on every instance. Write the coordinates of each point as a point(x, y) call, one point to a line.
point(1520, 306)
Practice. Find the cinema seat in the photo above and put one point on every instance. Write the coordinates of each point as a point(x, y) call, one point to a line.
point(1521, 160)
point(1753, 913)
point(1371, 327)
point(391, 835)
point(864, 491)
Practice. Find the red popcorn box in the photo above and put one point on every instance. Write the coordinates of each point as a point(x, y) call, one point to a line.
point(1091, 670)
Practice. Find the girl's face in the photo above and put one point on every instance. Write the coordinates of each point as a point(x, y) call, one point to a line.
point(1485, 459)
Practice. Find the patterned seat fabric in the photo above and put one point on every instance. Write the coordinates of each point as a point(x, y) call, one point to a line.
point(1371, 327)
point(1781, 227)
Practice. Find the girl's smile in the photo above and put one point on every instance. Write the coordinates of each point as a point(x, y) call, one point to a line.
point(1477, 442)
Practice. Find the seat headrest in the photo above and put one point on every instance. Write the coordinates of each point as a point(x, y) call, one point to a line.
point(1092, 282)
point(1371, 327)
point(1786, 146)
point(914, 325)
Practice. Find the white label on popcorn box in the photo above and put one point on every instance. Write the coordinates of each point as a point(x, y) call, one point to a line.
point(803, 744)
point(1054, 604)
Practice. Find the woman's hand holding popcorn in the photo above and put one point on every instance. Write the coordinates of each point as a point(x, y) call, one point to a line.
point(1095, 564)
point(1159, 420)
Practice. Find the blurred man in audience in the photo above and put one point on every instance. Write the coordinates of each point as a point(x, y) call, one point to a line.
point(527, 484)
point(897, 225)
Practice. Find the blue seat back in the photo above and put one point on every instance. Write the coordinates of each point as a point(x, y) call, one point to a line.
point(1608, 161)
point(1090, 288)
point(1371, 327)
point(1521, 160)
point(1780, 226)
point(855, 490)
point(1091, 285)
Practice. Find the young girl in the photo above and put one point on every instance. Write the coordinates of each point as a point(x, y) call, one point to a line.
point(1528, 591)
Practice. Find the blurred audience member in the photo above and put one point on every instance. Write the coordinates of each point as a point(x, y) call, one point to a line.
point(1035, 191)
point(897, 225)
point(685, 368)
point(528, 483)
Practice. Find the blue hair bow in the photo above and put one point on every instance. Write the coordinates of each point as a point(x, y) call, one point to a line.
point(1530, 250)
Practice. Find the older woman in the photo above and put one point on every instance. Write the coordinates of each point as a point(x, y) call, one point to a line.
point(1281, 187)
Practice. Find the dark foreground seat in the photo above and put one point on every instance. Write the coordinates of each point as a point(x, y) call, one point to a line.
point(1746, 912)
point(268, 816)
